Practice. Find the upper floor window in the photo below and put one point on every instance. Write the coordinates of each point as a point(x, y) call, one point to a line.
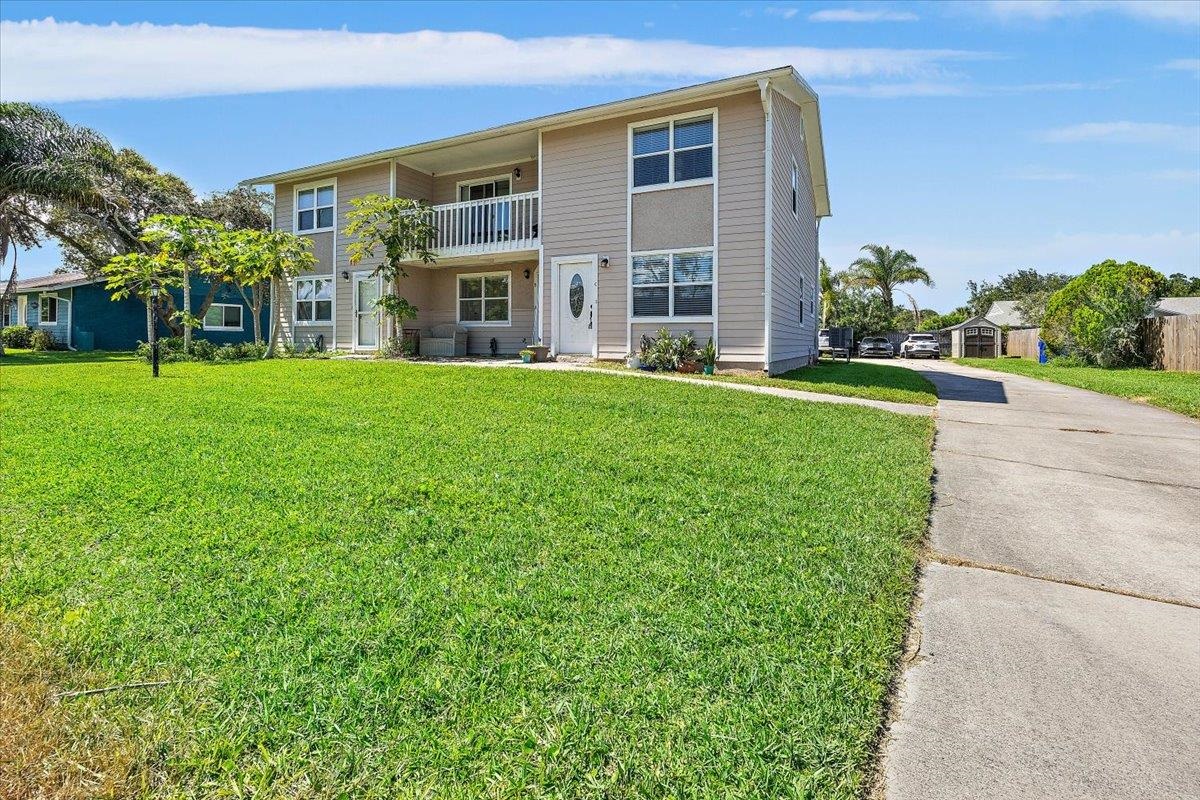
point(673, 152)
point(314, 209)
point(48, 310)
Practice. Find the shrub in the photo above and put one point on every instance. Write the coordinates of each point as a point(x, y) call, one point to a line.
point(666, 352)
point(43, 340)
point(16, 336)
point(1096, 316)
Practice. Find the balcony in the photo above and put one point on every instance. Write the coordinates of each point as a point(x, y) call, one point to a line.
point(492, 225)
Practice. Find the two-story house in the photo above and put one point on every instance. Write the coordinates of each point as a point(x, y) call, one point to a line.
point(694, 209)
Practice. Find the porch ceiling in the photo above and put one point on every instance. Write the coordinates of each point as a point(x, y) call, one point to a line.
point(514, 147)
point(479, 260)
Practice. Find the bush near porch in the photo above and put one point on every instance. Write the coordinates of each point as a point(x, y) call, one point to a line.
point(379, 579)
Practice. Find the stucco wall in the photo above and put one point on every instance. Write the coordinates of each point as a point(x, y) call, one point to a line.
point(672, 218)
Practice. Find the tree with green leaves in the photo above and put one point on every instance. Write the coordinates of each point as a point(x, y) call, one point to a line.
point(258, 263)
point(1013, 286)
point(44, 160)
point(404, 230)
point(137, 274)
point(191, 245)
point(883, 269)
point(1096, 316)
point(1180, 285)
point(242, 208)
point(829, 282)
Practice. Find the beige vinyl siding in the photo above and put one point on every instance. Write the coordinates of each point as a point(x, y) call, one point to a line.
point(445, 186)
point(584, 209)
point(413, 184)
point(793, 244)
point(323, 250)
point(586, 202)
point(373, 179)
point(434, 291)
point(741, 216)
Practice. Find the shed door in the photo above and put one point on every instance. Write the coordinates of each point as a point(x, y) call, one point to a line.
point(979, 342)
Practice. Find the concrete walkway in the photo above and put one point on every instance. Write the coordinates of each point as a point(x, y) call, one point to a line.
point(1059, 618)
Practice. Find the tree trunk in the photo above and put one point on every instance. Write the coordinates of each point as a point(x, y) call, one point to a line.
point(256, 310)
point(187, 310)
point(886, 291)
point(277, 326)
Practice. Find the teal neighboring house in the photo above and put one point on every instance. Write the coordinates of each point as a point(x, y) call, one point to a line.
point(81, 314)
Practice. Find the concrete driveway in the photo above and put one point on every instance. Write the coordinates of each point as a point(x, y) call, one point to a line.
point(1059, 618)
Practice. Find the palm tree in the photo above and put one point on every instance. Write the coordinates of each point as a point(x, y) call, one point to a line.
point(829, 287)
point(885, 269)
point(43, 160)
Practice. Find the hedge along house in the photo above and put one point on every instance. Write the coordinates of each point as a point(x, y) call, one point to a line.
point(692, 209)
point(81, 315)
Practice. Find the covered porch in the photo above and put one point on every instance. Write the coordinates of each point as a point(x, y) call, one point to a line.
point(492, 299)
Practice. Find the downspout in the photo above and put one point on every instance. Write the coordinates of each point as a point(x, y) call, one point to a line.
point(764, 90)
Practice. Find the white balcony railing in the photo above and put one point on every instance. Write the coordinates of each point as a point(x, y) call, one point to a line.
point(492, 225)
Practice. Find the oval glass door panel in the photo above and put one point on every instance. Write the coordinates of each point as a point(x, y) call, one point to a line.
point(576, 295)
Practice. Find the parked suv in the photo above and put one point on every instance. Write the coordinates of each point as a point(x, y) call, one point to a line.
point(920, 345)
point(875, 347)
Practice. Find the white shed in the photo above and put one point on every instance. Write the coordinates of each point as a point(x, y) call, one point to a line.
point(978, 337)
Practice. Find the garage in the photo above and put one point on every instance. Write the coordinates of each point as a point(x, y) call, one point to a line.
point(977, 337)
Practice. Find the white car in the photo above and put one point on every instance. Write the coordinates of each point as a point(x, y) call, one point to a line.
point(920, 345)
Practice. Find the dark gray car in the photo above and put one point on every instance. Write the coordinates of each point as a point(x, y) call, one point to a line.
point(875, 347)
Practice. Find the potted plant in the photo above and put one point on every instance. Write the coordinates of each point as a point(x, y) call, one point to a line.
point(689, 355)
point(708, 357)
point(527, 356)
point(646, 355)
point(633, 361)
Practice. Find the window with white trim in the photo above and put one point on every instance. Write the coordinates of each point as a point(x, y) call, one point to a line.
point(485, 299)
point(314, 300)
point(675, 151)
point(314, 209)
point(672, 284)
point(48, 310)
point(223, 317)
point(795, 189)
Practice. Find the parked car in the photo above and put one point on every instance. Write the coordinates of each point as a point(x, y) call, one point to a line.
point(920, 345)
point(875, 347)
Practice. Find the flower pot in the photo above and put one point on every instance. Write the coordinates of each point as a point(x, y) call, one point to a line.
point(633, 362)
point(689, 367)
point(709, 369)
point(526, 358)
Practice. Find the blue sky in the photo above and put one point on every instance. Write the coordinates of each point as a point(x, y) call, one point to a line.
point(981, 137)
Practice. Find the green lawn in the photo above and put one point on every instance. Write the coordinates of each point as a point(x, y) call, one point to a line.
point(372, 579)
point(1177, 391)
point(854, 379)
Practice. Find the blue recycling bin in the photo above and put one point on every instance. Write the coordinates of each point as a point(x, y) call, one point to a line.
point(1042, 358)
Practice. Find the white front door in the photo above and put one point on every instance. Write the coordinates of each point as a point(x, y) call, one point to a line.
point(366, 315)
point(576, 304)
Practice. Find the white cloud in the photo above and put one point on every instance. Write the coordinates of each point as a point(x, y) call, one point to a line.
point(1185, 137)
point(945, 88)
point(858, 15)
point(1181, 12)
point(781, 11)
point(1187, 175)
point(50, 61)
point(1191, 65)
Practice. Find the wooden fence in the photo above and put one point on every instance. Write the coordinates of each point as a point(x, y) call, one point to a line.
point(1023, 342)
point(1168, 343)
point(1172, 343)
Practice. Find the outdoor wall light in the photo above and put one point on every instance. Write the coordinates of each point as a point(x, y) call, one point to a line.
point(345, 274)
point(526, 273)
point(604, 262)
point(517, 173)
